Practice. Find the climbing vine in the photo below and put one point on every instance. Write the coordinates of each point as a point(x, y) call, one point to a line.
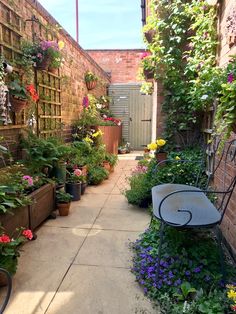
point(183, 54)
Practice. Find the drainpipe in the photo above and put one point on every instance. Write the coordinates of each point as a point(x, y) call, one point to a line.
point(154, 112)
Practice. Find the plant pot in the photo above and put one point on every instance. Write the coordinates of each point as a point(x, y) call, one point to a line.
point(53, 70)
point(122, 150)
point(149, 35)
point(106, 165)
point(18, 104)
point(161, 157)
point(3, 277)
point(59, 172)
point(91, 85)
point(149, 74)
point(112, 168)
point(74, 189)
point(63, 208)
point(83, 187)
point(44, 64)
point(18, 218)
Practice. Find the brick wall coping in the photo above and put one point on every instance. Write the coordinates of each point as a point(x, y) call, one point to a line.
point(36, 5)
point(124, 50)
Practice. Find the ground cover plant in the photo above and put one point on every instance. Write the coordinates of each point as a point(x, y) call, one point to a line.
point(190, 279)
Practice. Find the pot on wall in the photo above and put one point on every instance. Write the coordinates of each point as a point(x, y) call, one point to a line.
point(74, 189)
point(18, 104)
point(44, 64)
point(91, 84)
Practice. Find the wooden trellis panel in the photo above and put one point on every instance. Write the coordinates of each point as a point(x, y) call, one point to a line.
point(49, 107)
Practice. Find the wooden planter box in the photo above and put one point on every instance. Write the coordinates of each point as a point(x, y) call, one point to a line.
point(111, 137)
point(43, 203)
point(18, 218)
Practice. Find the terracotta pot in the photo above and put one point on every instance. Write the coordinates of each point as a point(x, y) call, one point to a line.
point(112, 168)
point(18, 104)
point(44, 64)
point(149, 74)
point(149, 35)
point(161, 156)
point(106, 165)
point(53, 70)
point(63, 208)
point(91, 85)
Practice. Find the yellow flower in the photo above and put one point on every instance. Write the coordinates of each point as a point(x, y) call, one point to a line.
point(98, 133)
point(161, 142)
point(152, 146)
point(231, 294)
point(61, 45)
point(177, 158)
point(88, 140)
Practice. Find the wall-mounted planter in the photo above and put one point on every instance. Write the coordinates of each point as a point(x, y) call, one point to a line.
point(91, 84)
point(149, 35)
point(43, 204)
point(18, 104)
point(149, 74)
point(44, 64)
point(18, 218)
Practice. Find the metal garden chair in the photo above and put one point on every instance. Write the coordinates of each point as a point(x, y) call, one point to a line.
point(9, 288)
point(185, 206)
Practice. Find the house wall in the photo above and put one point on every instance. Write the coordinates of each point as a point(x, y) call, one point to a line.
point(123, 65)
point(77, 62)
point(225, 51)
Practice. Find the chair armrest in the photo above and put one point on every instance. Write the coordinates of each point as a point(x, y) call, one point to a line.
point(9, 288)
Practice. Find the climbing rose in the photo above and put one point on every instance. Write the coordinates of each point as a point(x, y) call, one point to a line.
point(4, 239)
point(28, 234)
point(77, 172)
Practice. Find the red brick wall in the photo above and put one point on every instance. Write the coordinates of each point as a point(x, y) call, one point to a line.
point(229, 222)
point(77, 62)
point(122, 64)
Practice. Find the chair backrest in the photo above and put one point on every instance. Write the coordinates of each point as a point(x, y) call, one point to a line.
point(223, 175)
point(6, 274)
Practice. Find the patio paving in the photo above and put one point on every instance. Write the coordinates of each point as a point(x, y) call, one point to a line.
point(80, 264)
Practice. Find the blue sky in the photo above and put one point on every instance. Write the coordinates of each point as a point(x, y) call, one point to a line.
point(104, 24)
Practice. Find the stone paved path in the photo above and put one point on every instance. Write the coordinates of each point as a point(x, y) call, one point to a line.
point(80, 264)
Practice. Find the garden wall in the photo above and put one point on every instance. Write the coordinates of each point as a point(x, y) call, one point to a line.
point(123, 65)
point(227, 9)
point(77, 62)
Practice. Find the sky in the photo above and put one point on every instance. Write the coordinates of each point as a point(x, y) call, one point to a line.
point(103, 24)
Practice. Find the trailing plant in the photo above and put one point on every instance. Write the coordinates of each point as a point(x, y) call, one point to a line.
point(90, 77)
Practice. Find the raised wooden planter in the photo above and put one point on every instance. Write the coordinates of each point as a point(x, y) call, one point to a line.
point(18, 218)
point(43, 204)
point(111, 137)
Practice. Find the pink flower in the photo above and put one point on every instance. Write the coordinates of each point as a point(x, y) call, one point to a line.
point(77, 172)
point(4, 239)
point(27, 234)
point(39, 55)
point(145, 55)
point(29, 179)
point(233, 307)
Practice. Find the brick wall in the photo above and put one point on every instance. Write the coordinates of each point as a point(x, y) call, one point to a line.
point(229, 223)
point(77, 62)
point(122, 64)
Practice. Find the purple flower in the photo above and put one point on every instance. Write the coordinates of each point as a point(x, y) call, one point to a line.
point(177, 282)
point(86, 102)
point(230, 78)
point(187, 273)
point(197, 270)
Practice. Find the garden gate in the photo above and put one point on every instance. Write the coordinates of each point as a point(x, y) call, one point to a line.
point(135, 111)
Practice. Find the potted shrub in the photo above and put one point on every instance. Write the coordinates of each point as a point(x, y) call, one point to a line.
point(20, 95)
point(63, 201)
point(112, 160)
point(73, 184)
point(97, 174)
point(90, 80)
point(9, 250)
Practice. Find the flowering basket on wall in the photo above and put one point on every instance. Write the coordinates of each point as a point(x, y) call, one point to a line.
point(90, 80)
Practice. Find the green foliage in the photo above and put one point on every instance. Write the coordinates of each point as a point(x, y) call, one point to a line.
point(111, 158)
point(97, 174)
point(63, 197)
point(90, 77)
point(17, 90)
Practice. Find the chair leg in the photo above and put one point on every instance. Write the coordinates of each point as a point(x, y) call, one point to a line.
point(9, 289)
point(222, 263)
point(159, 250)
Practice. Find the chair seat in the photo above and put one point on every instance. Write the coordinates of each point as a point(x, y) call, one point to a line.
point(203, 211)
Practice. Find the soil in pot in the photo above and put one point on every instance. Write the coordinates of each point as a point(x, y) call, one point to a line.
point(74, 189)
point(63, 208)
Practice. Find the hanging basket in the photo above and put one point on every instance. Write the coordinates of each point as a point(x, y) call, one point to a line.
point(18, 104)
point(91, 84)
point(149, 74)
point(44, 64)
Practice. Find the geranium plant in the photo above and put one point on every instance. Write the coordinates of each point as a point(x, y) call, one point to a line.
point(10, 248)
point(75, 176)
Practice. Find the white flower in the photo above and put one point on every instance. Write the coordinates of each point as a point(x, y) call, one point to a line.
point(204, 97)
point(99, 106)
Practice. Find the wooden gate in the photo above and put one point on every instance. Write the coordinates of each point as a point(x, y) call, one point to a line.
point(135, 111)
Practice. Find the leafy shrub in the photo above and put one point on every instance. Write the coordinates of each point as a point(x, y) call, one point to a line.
point(97, 174)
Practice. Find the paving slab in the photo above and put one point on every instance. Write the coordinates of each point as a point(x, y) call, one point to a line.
point(107, 248)
point(99, 290)
point(53, 244)
point(34, 285)
point(81, 217)
point(93, 201)
point(117, 201)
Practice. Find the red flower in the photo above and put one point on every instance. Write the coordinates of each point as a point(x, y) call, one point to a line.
point(31, 89)
point(4, 239)
point(28, 234)
point(233, 307)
